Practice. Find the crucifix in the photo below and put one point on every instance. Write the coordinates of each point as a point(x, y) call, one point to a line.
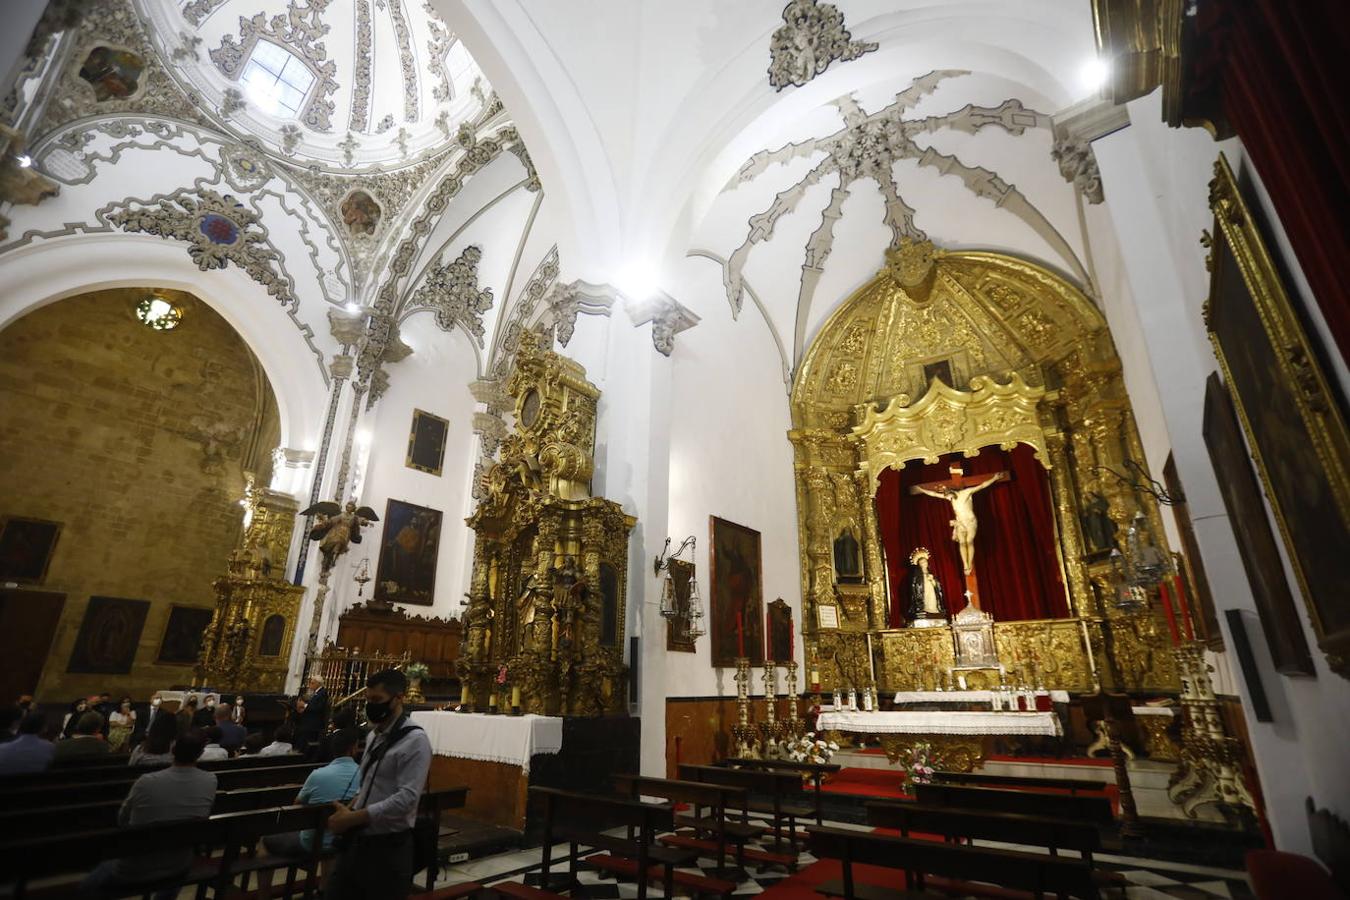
point(959, 490)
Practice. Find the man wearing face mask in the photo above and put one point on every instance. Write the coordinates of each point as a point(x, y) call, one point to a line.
point(376, 831)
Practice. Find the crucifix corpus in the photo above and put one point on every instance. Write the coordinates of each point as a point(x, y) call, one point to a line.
point(959, 490)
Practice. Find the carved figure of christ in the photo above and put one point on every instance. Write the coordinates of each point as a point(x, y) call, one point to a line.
point(959, 491)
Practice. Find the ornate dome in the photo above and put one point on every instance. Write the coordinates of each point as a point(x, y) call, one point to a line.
point(344, 84)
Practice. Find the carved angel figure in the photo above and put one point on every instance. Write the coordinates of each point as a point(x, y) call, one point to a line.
point(336, 527)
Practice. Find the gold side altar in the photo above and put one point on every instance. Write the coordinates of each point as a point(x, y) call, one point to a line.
point(949, 352)
point(248, 641)
point(545, 625)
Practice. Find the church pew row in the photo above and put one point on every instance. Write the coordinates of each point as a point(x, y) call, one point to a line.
point(816, 771)
point(782, 790)
point(580, 820)
point(1012, 828)
point(962, 870)
point(59, 794)
point(106, 770)
point(978, 779)
point(1093, 810)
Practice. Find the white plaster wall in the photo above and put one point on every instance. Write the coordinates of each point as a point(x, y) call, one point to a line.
point(1156, 184)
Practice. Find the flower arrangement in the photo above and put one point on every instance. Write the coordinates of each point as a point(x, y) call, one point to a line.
point(807, 748)
point(917, 763)
point(416, 671)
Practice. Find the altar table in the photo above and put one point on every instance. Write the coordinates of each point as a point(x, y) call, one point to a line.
point(491, 756)
point(905, 698)
point(959, 738)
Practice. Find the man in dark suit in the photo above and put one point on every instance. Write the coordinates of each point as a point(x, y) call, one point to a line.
point(313, 714)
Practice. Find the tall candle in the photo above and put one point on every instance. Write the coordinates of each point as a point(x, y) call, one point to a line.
point(792, 640)
point(740, 635)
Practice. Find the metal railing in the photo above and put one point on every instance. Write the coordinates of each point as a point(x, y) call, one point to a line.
point(345, 669)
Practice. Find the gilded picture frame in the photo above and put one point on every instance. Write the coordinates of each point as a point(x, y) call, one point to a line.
point(1292, 418)
point(737, 579)
point(426, 442)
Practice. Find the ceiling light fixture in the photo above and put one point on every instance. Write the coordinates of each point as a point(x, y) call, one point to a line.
point(157, 313)
point(1093, 74)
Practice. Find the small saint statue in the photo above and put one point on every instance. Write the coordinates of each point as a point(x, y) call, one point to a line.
point(925, 599)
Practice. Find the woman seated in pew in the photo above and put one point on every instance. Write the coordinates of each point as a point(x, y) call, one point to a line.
point(121, 722)
point(157, 748)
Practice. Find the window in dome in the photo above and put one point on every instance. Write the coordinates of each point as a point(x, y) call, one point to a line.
point(276, 79)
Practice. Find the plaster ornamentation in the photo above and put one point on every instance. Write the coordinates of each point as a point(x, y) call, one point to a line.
point(407, 60)
point(811, 37)
point(451, 292)
point(385, 123)
point(346, 327)
point(508, 338)
point(402, 140)
point(869, 146)
point(360, 118)
point(231, 102)
point(668, 317)
point(491, 429)
point(348, 147)
point(1078, 165)
point(187, 47)
point(492, 393)
point(342, 366)
point(245, 168)
point(197, 10)
point(218, 229)
point(290, 138)
point(533, 184)
point(301, 30)
point(564, 303)
point(438, 45)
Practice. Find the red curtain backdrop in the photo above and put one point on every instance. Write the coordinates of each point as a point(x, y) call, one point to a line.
point(1015, 548)
point(1282, 70)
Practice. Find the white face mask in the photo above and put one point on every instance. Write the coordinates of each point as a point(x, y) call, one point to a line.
point(210, 704)
point(155, 702)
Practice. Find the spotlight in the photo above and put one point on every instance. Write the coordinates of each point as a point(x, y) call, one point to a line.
point(1093, 74)
point(637, 280)
point(25, 161)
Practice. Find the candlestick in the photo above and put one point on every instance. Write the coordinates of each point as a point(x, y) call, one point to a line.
point(464, 694)
point(770, 691)
point(792, 640)
point(740, 635)
point(792, 690)
point(515, 696)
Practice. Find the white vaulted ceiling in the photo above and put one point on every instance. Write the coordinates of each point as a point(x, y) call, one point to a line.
point(389, 81)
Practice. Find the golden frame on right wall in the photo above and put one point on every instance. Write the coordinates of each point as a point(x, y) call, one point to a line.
point(1292, 418)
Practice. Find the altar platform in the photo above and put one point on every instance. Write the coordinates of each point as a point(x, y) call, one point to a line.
point(961, 738)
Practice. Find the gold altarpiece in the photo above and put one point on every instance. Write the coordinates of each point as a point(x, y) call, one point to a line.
point(1030, 361)
point(248, 642)
point(545, 624)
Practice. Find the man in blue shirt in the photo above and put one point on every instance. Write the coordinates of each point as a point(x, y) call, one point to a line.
point(30, 751)
point(337, 781)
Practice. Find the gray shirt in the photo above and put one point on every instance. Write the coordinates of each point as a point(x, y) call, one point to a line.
point(392, 782)
point(172, 794)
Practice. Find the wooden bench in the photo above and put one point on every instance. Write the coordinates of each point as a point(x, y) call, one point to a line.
point(1013, 828)
point(776, 786)
point(579, 819)
point(103, 770)
point(1096, 810)
point(38, 796)
point(817, 771)
point(977, 779)
point(962, 868)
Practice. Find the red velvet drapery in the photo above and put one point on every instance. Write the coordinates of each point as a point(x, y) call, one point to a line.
point(1015, 545)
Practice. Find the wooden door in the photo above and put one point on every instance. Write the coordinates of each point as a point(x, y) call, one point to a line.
point(28, 621)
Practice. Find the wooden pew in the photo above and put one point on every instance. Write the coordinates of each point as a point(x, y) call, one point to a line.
point(1038, 874)
point(779, 787)
point(38, 796)
point(817, 771)
point(84, 762)
point(579, 820)
point(105, 771)
point(1013, 828)
point(976, 779)
point(1096, 810)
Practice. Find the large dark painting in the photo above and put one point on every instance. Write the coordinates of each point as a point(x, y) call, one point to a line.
point(271, 640)
point(183, 635)
point(408, 548)
point(106, 644)
point(426, 442)
point(26, 548)
point(780, 631)
point(737, 594)
point(1256, 541)
point(1291, 412)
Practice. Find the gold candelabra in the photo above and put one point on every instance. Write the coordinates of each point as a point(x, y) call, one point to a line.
point(747, 743)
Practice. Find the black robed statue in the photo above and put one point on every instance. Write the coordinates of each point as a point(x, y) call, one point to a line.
point(923, 593)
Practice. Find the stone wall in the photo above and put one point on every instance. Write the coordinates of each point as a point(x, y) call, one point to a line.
point(136, 441)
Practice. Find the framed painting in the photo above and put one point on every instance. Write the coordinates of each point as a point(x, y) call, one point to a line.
point(678, 638)
point(1260, 556)
point(1192, 564)
point(779, 625)
point(183, 635)
point(737, 601)
point(106, 644)
point(26, 549)
point(1293, 419)
point(408, 548)
point(426, 442)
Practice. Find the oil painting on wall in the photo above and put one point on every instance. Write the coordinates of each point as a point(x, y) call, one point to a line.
point(737, 601)
point(183, 635)
point(408, 547)
point(106, 644)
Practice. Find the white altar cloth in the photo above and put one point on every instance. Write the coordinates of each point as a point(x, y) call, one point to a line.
point(940, 722)
point(503, 739)
point(963, 697)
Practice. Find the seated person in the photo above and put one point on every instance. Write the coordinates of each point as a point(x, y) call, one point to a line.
point(30, 751)
point(213, 751)
point(343, 718)
point(182, 791)
point(339, 780)
point(231, 735)
point(157, 748)
point(281, 742)
point(253, 744)
point(87, 740)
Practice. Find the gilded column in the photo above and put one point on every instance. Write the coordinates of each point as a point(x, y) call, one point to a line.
point(876, 566)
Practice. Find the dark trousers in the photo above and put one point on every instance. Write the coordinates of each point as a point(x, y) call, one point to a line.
point(373, 867)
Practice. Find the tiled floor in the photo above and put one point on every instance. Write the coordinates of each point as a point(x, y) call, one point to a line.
point(1147, 879)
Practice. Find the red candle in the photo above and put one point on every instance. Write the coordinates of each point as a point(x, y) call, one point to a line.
point(740, 635)
point(1165, 595)
point(792, 641)
point(1185, 603)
